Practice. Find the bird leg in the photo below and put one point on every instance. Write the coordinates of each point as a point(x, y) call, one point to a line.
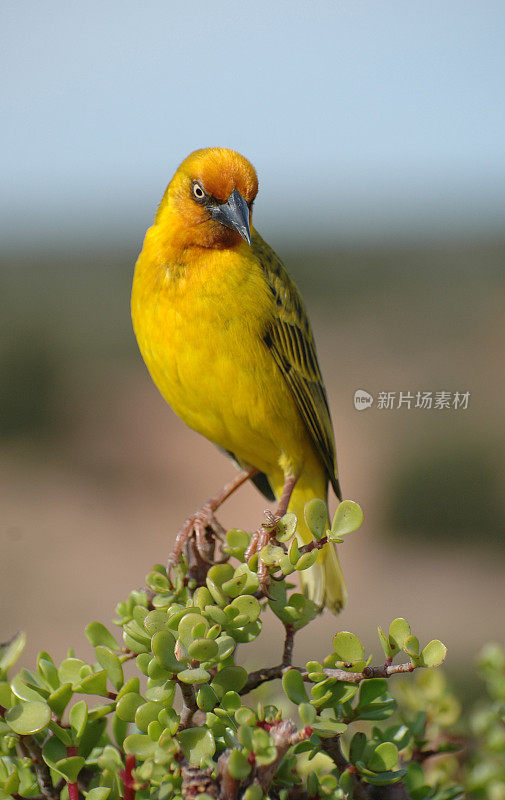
point(262, 536)
point(203, 521)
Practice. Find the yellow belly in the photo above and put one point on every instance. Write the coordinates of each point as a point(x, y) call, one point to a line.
point(199, 330)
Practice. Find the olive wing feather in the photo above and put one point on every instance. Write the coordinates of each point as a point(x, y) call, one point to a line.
point(289, 338)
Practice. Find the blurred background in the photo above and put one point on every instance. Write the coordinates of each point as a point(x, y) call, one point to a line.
point(378, 134)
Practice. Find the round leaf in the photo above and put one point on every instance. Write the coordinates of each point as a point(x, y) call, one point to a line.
point(163, 645)
point(232, 678)
point(29, 717)
point(292, 683)
point(203, 649)
point(127, 706)
point(70, 767)
point(348, 647)
point(248, 605)
point(238, 765)
point(384, 757)
point(140, 745)
point(348, 517)
point(97, 634)
point(99, 793)
point(111, 664)
point(316, 517)
point(197, 675)
point(307, 560)
point(286, 528)
point(399, 630)
point(197, 744)
point(78, 718)
point(434, 653)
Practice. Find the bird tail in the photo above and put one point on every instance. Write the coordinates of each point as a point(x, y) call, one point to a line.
point(323, 582)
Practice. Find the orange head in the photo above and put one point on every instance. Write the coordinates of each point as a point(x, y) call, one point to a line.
point(209, 200)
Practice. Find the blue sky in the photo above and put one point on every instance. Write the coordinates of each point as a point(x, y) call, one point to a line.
point(362, 118)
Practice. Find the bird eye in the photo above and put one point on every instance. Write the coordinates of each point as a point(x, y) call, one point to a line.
point(198, 191)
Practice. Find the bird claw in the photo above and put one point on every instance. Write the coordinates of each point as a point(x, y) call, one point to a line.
point(204, 528)
point(260, 538)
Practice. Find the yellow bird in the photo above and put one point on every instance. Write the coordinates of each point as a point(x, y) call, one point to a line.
point(225, 336)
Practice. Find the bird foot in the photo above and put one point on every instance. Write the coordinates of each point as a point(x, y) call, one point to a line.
point(204, 528)
point(260, 538)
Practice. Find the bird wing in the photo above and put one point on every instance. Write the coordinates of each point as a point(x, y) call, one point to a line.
point(289, 338)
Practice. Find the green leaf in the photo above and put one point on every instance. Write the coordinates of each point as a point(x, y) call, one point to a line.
point(237, 542)
point(69, 767)
point(6, 696)
point(348, 647)
point(48, 671)
point(292, 683)
point(97, 634)
point(127, 706)
point(188, 623)
point(238, 765)
point(399, 630)
point(10, 652)
point(63, 734)
point(140, 745)
point(147, 713)
point(308, 713)
point(226, 645)
point(388, 650)
point(253, 792)
point(383, 758)
point(111, 664)
point(286, 527)
point(96, 683)
point(357, 747)
point(70, 671)
point(29, 717)
point(162, 693)
point(411, 645)
point(248, 605)
point(294, 552)
point(316, 517)
point(348, 517)
point(60, 698)
point(271, 554)
point(371, 689)
point(206, 698)
point(100, 793)
point(203, 649)
point(163, 646)
point(196, 675)
point(379, 778)
point(197, 744)
point(232, 678)
point(433, 653)
point(92, 734)
point(24, 692)
point(156, 620)
point(78, 718)
point(329, 727)
point(307, 560)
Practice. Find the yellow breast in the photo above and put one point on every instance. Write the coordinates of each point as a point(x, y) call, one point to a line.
point(199, 323)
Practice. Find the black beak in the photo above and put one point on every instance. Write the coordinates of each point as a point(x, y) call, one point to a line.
point(233, 214)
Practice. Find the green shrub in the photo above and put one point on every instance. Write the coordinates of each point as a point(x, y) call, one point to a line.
point(167, 709)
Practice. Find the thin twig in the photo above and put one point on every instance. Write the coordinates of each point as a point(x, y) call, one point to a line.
point(289, 641)
point(260, 676)
point(30, 748)
point(189, 704)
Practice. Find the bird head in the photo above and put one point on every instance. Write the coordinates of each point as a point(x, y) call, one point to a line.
point(209, 200)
